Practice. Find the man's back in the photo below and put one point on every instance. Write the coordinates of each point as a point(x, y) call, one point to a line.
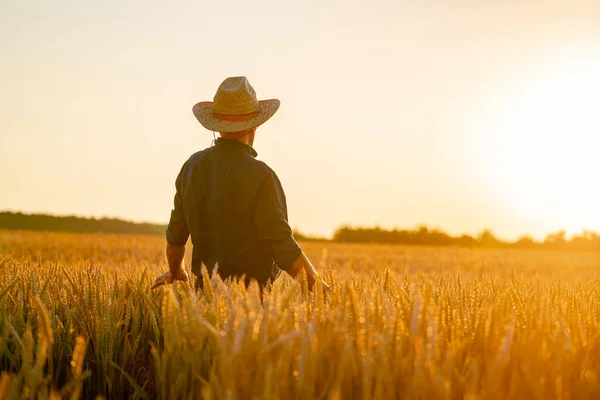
point(234, 208)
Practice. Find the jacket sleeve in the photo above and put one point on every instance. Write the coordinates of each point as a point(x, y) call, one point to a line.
point(271, 222)
point(177, 230)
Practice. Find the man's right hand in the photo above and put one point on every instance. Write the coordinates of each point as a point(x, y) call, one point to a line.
point(326, 289)
point(304, 264)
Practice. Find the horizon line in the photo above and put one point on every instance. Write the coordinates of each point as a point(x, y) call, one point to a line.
point(299, 231)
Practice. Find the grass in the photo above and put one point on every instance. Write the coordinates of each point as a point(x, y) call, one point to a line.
point(77, 320)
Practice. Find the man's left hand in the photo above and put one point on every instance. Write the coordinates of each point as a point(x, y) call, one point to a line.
point(168, 277)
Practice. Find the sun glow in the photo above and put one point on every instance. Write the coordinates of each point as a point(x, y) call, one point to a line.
point(542, 146)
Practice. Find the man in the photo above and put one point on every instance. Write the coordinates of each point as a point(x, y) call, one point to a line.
point(231, 204)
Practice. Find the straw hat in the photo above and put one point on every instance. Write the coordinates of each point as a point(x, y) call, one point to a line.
point(235, 107)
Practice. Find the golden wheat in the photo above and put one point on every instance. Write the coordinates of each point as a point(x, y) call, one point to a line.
point(77, 320)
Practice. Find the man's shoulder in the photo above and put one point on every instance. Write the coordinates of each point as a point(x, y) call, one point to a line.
point(260, 168)
point(196, 159)
point(199, 156)
point(259, 164)
point(193, 163)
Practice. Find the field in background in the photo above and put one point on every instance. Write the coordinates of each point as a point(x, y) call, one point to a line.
point(77, 319)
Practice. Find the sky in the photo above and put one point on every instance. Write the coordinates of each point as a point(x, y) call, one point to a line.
point(462, 115)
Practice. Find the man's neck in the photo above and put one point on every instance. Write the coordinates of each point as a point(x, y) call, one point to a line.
point(243, 137)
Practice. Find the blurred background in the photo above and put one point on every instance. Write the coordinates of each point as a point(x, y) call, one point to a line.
point(459, 114)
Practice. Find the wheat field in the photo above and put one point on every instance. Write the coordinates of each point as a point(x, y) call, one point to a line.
point(77, 320)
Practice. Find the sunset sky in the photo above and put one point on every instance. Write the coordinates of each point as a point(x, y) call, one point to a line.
point(459, 114)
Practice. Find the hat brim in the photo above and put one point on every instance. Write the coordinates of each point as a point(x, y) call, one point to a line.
point(204, 114)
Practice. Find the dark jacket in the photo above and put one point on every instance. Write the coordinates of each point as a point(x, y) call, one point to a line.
point(234, 208)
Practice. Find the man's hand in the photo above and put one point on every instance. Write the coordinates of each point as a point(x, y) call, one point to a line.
point(176, 271)
point(304, 264)
point(168, 278)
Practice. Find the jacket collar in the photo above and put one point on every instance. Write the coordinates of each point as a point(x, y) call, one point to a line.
point(235, 145)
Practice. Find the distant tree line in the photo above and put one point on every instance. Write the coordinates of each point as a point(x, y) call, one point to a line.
point(421, 236)
point(53, 223)
point(586, 241)
point(43, 222)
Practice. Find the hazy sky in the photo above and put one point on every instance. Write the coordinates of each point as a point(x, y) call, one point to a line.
point(457, 114)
